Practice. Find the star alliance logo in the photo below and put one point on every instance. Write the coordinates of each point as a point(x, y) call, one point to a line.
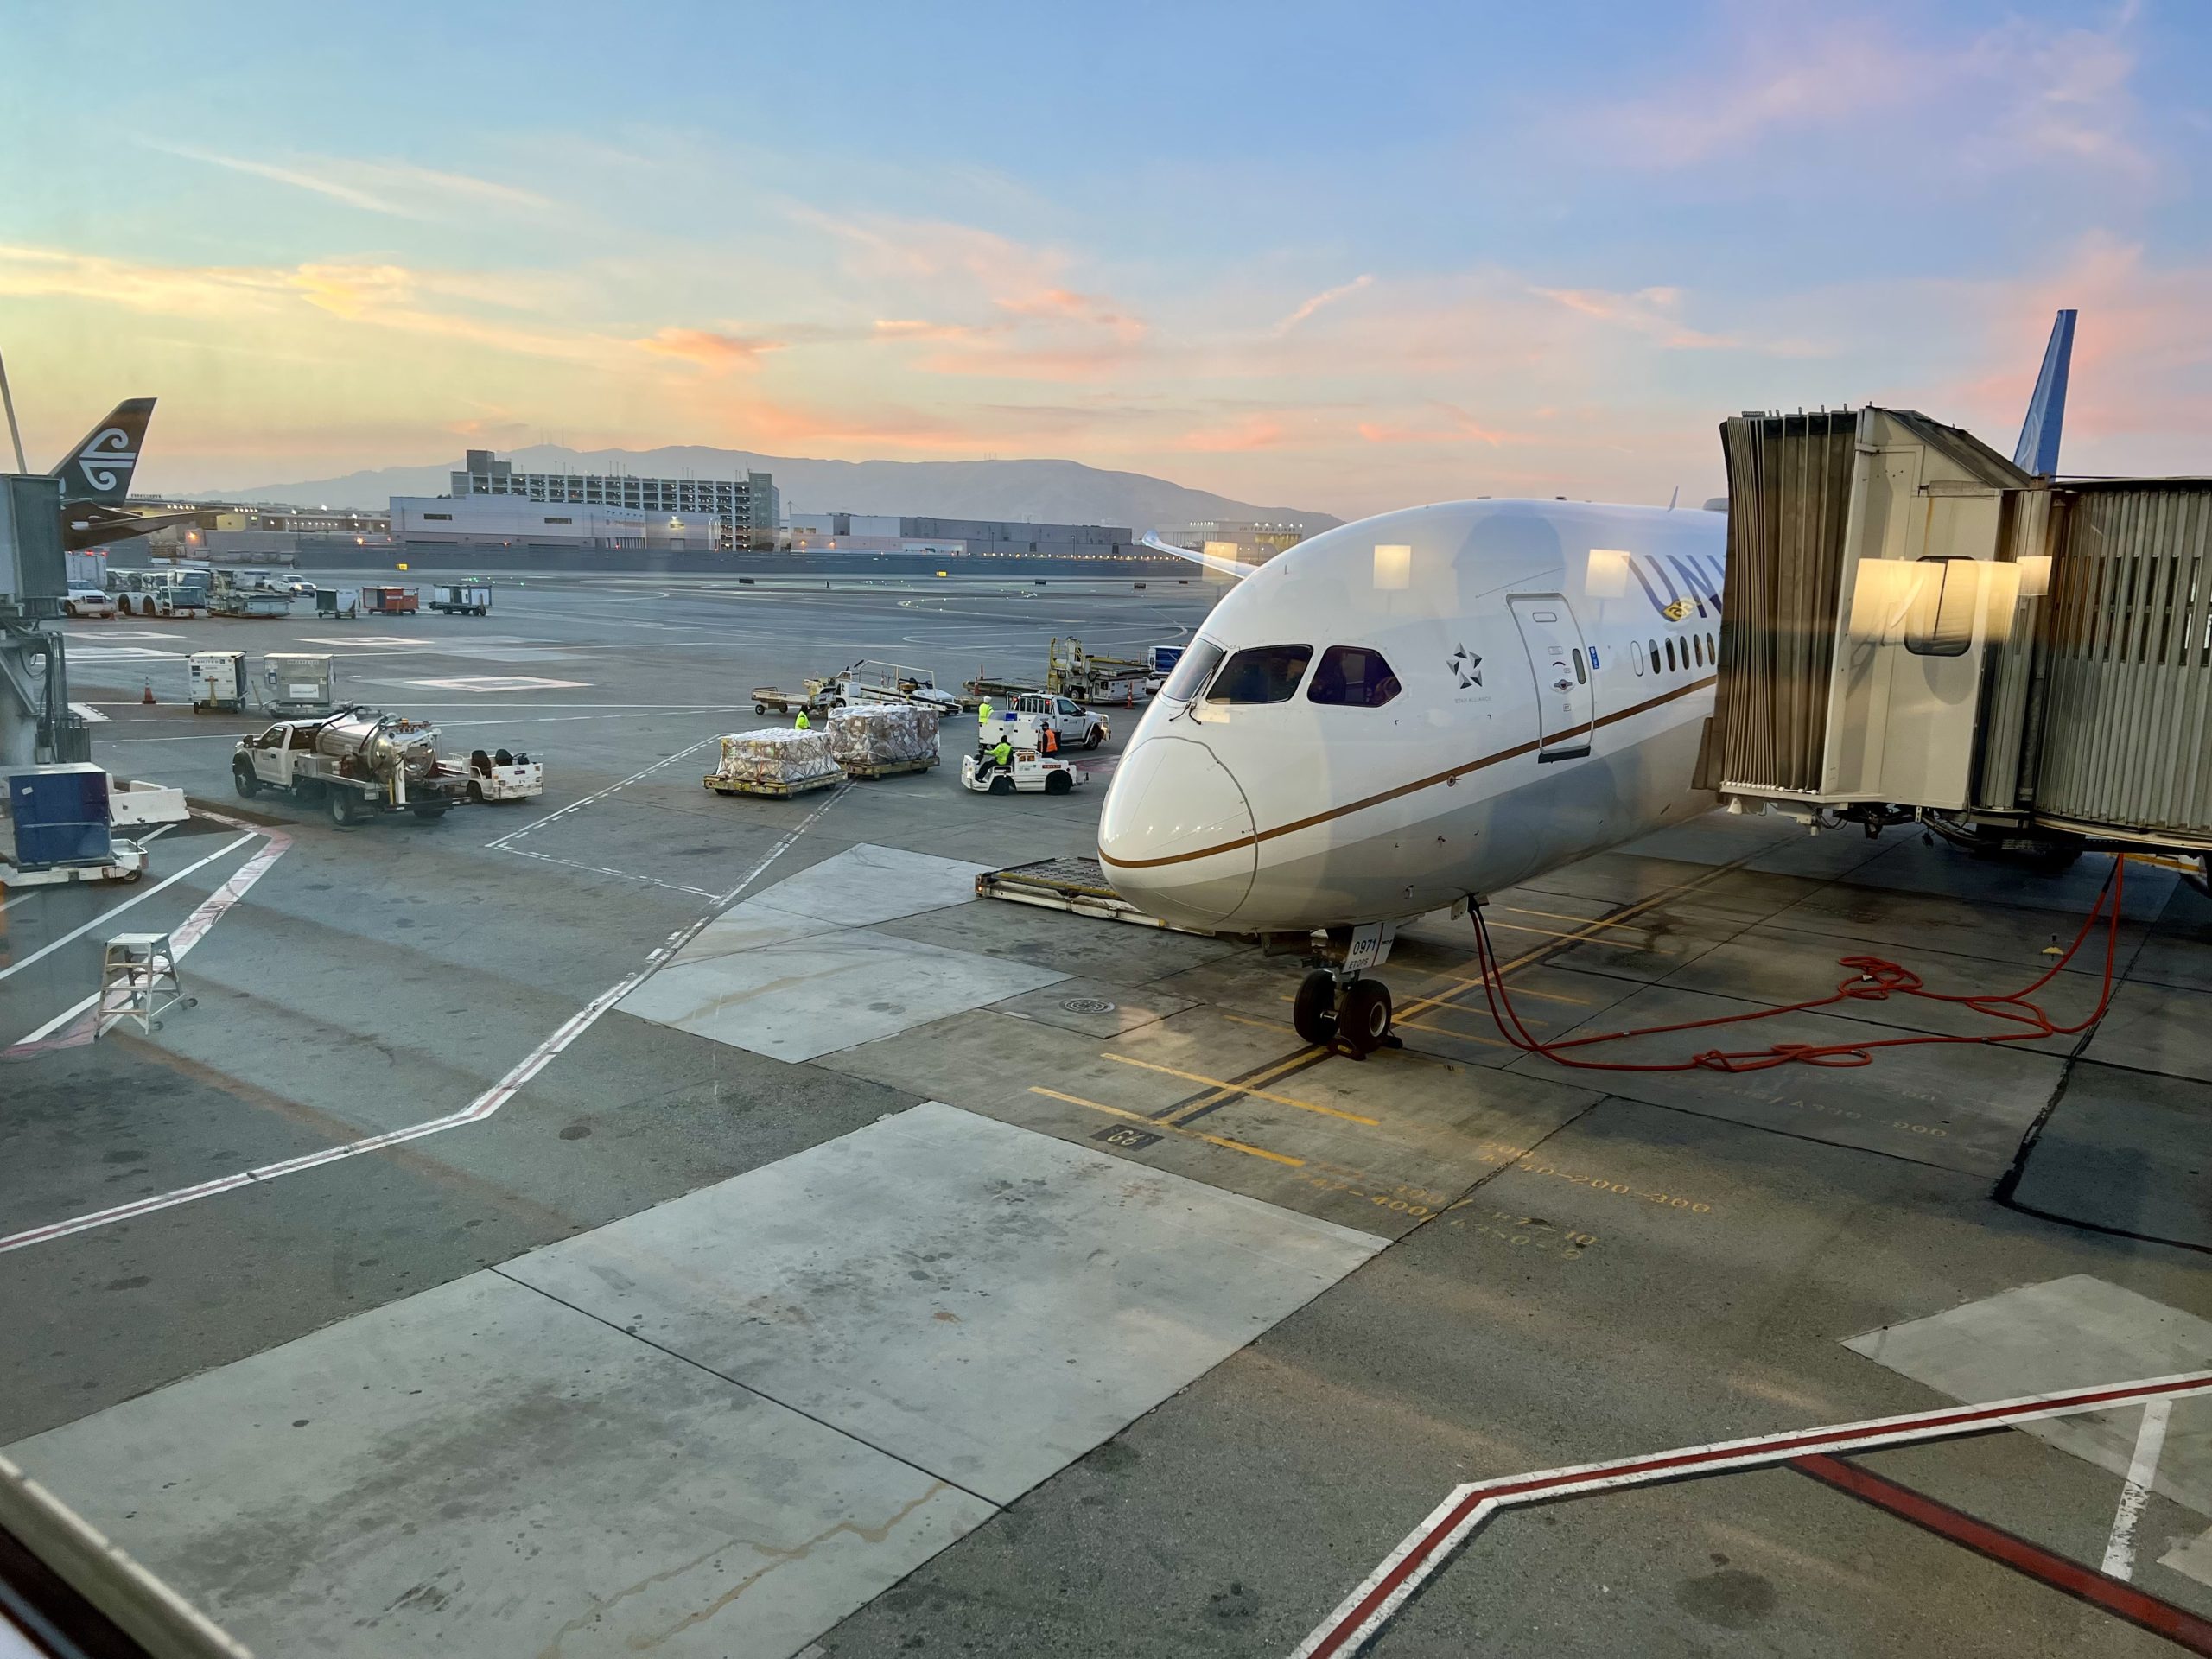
point(1467, 667)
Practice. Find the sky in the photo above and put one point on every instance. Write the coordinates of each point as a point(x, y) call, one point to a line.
point(1341, 257)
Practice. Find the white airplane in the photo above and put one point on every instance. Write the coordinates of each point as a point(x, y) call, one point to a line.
point(1404, 714)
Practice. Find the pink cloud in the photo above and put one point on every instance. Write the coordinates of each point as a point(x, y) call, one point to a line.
point(1253, 432)
point(717, 352)
point(1458, 428)
point(1649, 311)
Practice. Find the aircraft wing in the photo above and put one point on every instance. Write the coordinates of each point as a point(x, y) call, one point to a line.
point(1235, 569)
point(85, 524)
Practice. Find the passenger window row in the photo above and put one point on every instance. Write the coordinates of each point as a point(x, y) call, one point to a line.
point(1349, 676)
point(1698, 651)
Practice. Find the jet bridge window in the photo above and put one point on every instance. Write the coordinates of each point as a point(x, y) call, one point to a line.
point(1353, 677)
point(1262, 674)
point(1193, 670)
point(1940, 620)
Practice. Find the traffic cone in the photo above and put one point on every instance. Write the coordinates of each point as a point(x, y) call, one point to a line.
point(149, 697)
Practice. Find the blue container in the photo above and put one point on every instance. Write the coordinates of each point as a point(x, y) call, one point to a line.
point(62, 816)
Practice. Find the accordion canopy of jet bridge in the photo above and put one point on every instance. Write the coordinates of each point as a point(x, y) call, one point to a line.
point(1914, 625)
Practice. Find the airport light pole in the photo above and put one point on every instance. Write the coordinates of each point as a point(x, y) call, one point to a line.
point(14, 434)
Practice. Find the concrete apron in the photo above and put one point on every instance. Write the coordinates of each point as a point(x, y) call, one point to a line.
point(715, 1428)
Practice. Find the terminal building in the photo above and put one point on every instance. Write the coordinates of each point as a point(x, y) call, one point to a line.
point(1256, 542)
point(865, 532)
point(491, 502)
point(517, 521)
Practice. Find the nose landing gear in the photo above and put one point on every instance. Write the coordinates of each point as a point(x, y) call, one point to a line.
point(1342, 1012)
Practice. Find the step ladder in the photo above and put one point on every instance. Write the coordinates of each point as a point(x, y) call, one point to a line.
point(138, 981)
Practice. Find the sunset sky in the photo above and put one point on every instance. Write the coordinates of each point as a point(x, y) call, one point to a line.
point(1343, 258)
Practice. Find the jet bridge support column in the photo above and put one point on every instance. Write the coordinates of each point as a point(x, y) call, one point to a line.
point(34, 721)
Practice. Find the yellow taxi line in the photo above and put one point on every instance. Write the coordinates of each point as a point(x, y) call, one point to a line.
point(1172, 1128)
point(1241, 1088)
point(1561, 915)
point(1541, 950)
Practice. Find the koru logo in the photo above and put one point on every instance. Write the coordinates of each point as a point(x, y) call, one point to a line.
point(1466, 666)
point(110, 448)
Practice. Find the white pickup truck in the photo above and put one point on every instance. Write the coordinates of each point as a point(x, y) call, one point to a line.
point(1025, 721)
point(354, 764)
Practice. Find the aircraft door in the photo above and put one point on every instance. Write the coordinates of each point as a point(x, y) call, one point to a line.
point(1565, 709)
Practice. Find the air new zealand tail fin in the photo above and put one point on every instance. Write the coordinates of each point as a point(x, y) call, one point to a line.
point(99, 468)
point(2038, 450)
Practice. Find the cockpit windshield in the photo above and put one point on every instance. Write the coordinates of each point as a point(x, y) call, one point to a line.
point(1193, 670)
point(1262, 674)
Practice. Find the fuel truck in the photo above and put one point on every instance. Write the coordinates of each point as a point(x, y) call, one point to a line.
point(354, 764)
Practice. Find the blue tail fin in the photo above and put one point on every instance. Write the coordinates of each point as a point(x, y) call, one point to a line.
point(2038, 450)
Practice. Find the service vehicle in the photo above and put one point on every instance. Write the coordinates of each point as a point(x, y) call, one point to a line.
point(1027, 717)
point(299, 586)
point(501, 775)
point(462, 598)
point(217, 681)
point(87, 602)
point(248, 592)
point(391, 602)
point(172, 592)
point(356, 764)
point(1078, 673)
point(1029, 773)
point(865, 681)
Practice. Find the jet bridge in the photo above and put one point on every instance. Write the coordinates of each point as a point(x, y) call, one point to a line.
point(1915, 627)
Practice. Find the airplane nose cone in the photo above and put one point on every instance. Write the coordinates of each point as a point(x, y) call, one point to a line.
point(1176, 839)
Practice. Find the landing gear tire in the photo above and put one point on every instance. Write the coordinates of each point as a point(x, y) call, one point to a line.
point(1313, 1012)
point(1363, 1016)
point(245, 782)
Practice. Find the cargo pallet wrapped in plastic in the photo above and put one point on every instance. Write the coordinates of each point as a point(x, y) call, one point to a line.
point(778, 761)
point(876, 739)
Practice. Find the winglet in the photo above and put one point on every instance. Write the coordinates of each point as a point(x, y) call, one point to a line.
point(1233, 568)
point(98, 466)
point(2038, 450)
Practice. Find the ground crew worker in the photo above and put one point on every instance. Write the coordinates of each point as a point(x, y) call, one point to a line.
point(1052, 745)
point(1002, 755)
point(803, 723)
point(982, 724)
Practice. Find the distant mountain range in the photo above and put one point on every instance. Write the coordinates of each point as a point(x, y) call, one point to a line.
point(1044, 492)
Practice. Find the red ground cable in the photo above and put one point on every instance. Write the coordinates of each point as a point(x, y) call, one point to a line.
point(1877, 979)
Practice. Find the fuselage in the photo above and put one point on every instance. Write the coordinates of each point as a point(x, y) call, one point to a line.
point(1424, 705)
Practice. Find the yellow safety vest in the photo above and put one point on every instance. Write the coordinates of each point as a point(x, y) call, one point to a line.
point(803, 723)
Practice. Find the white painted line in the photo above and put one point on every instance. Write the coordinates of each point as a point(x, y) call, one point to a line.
point(2142, 1471)
point(91, 716)
point(182, 938)
point(108, 914)
point(578, 806)
point(497, 682)
point(1361, 1615)
point(476, 1112)
point(600, 869)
